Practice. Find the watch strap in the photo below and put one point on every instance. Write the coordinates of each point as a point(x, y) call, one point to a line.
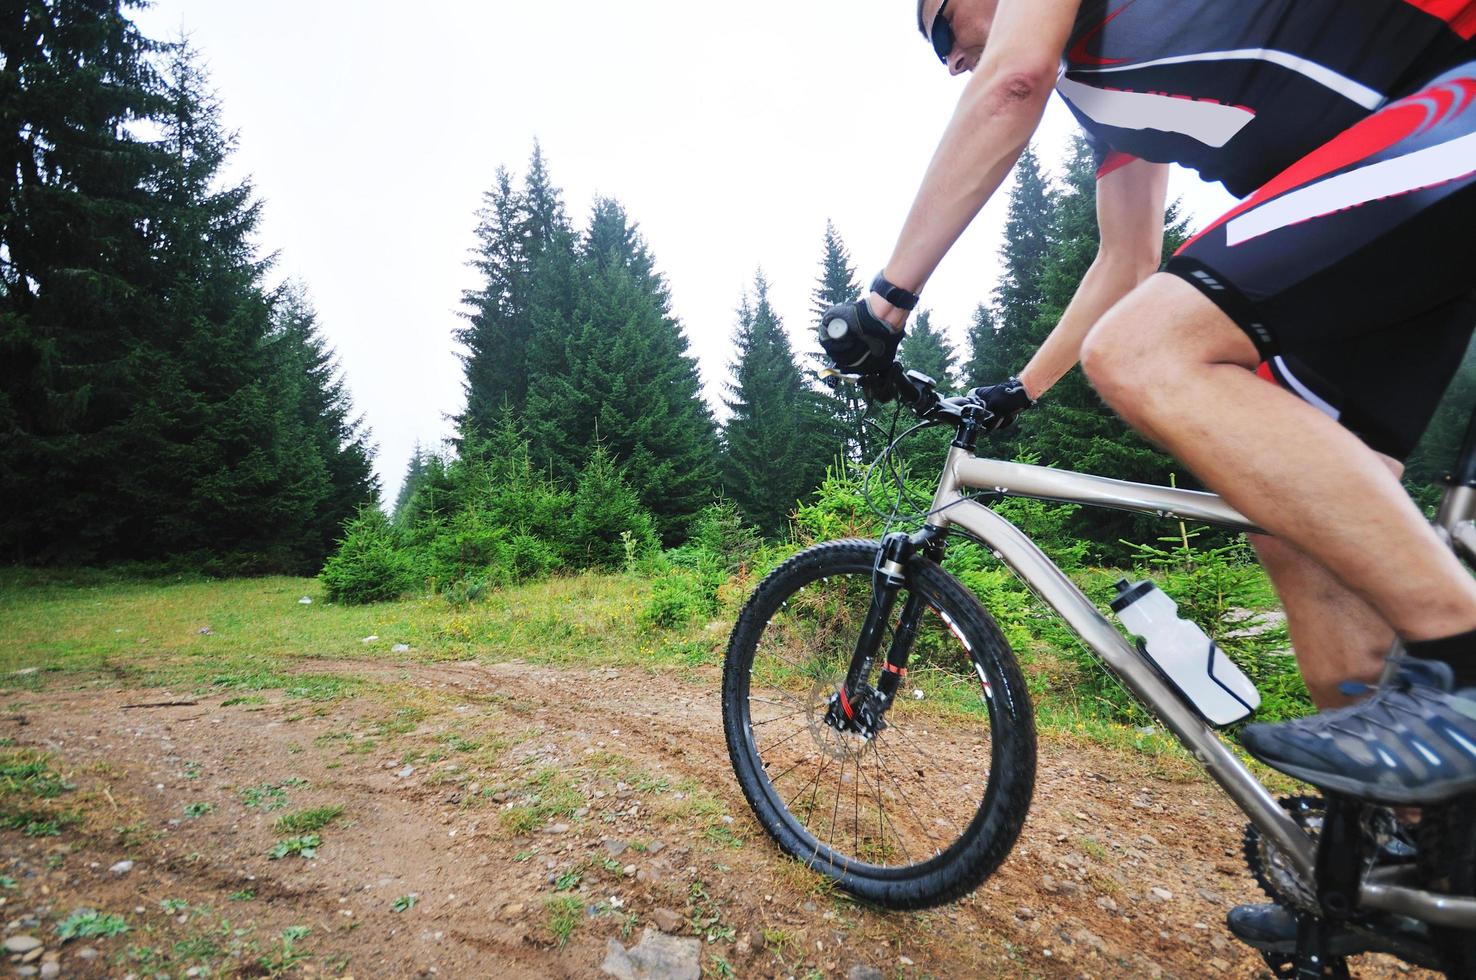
point(896, 295)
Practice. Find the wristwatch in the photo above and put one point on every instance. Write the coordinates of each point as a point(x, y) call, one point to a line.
point(896, 295)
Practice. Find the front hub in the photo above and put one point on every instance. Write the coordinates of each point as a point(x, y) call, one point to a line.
point(860, 714)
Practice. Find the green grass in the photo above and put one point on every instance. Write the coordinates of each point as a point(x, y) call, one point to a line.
point(304, 821)
point(269, 796)
point(83, 627)
point(90, 924)
point(546, 794)
point(562, 914)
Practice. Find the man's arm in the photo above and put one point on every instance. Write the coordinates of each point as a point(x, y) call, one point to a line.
point(995, 118)
point(1130, 205)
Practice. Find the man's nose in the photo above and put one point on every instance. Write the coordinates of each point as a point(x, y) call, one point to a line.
point(957, 62)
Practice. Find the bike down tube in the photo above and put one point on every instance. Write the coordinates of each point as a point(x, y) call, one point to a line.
point(1061, 594)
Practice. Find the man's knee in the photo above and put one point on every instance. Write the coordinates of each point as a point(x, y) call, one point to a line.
point(1161, 332)
point(1107, 358)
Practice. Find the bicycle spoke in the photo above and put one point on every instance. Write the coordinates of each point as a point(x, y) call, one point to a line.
point(906, 799)
point(814, 781)
point(840, 779)
point(773, 780)
point(770, 721)
point(923, 759)
point(796, 732)
point(884, 821)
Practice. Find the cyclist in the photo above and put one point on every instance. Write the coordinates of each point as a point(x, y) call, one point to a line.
point(1344, 277)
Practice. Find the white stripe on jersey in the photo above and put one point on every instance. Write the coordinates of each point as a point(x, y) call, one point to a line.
point(1387, 178)
point(1323, 75)
point(1209, 123)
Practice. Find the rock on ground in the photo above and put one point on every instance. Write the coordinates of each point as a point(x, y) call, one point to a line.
point(655, 957)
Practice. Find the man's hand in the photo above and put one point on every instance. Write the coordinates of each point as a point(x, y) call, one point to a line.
point(1006, 400)
point(857, 341)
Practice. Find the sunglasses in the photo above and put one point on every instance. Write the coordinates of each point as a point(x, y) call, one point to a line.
point(942, 34)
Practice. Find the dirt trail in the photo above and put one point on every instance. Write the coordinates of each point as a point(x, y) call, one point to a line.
point(1119, 873)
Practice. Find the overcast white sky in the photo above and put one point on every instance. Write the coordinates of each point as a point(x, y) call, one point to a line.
point(729, 132)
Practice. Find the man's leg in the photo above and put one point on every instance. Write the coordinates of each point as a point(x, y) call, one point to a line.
point(1336, 635)
point(1180, 371)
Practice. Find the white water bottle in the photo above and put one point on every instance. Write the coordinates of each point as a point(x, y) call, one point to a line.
point(1186, 656)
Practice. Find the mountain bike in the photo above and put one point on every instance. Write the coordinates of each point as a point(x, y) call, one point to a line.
point(880, 727)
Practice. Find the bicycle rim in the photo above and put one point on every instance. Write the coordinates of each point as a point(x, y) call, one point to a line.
point(899, 803)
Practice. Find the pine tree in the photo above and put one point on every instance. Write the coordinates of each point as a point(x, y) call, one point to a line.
point(983, 364)
point(74, 265)
point(843, 409)
point(415, 471)
point(518, 316)
point(769, 460)
point(607, 523)
point(927, 350)
point(616, 367)
point(166, 409)
point(496, 336)
point(236, 471)
point(310, 371)
point(837, 281)
point(1027, 255)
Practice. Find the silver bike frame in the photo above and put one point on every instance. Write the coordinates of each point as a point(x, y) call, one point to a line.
point(964, 471)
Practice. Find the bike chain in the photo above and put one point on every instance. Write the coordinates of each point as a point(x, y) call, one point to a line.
point(1270, 866)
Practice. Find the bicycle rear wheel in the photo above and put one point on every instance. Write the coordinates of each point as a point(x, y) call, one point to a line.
point(923, 811)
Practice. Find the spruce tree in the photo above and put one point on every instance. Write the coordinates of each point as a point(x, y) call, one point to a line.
point(982, 366)
point(843, 408)
point(153, 392)
point(310, 371)
point(74, 269)
point(927, 350)
point(414, 472)
point(1072, 427)
point(769, 460)
point(616, 367)
point(495, 338)
point(519, 313)
point(1027, 255)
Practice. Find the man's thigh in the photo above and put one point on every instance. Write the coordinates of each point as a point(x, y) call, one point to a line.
point(1352, 272)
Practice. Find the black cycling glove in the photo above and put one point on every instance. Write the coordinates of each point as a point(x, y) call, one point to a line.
point(856, 341)
point(1006, 400)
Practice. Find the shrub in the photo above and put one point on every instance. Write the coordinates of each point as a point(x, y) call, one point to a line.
point(608, 527)
point(677, 598)
point(838, 510)
point(369, 565)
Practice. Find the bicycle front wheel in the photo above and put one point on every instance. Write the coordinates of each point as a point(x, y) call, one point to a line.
point(924, 810)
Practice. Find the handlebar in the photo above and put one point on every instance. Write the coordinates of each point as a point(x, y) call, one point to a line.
point(918, 392)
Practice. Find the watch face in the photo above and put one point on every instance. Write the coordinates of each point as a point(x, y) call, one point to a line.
point(836, 328)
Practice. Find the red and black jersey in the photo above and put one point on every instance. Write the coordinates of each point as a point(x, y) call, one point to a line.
point(1240, 89)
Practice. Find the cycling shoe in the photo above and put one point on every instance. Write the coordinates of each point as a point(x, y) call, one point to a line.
point(1412, 742)
point(1272, 929)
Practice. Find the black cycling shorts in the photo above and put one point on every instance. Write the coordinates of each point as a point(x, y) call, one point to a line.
point(1353, 271)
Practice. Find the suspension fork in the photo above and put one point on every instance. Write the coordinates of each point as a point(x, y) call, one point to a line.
point(897, 551)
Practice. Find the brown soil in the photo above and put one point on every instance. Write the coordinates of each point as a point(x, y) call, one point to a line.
point(1076, 898)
